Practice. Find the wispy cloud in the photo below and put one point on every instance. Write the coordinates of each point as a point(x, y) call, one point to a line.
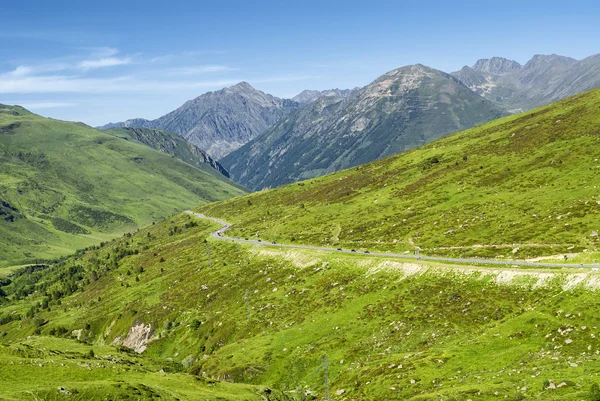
point(104, 51)
point(124, 84)
point(20, 71)
point(121, 84)
point(103, 62)
point(74, 75)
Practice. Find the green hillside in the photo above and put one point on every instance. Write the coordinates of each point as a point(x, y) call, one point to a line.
point(521, 186)
point(218, 320)
point(170, 143)
point(64, 186)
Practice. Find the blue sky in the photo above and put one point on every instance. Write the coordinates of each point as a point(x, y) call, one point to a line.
point(110, 60)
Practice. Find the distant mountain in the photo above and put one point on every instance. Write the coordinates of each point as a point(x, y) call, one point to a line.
point(542, 80)
point(65, 186)
point(221, 121)
point(401, 110)
point(495, 65)
point(170, 143)
point(135, 122)
point(308, 96)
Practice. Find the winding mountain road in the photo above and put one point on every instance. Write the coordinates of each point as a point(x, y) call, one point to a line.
point(219, 234)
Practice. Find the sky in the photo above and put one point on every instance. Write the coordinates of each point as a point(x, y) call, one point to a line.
point(108, 61)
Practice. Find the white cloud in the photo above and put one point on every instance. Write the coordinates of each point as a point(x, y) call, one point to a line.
point(21, 71)
point(123, 84)
point(101, 52)
point(103, 62)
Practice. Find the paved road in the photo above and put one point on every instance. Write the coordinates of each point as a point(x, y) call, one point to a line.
point(220, 235)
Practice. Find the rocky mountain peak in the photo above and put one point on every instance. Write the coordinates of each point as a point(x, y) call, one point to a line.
point(241, 87)
point(554, 59)
point(495, 65)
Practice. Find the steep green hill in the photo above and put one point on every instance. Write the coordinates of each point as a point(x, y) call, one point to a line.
point(524, 185)
point(64, 186)
point(170, 143)
point(202, 310)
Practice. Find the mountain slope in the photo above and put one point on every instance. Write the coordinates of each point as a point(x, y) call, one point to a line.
point(221, 121)
point(402, 109)
point(64, 186)
point(171, 312)
point(523, 185)
point(308, 96)
point(542, 80)
point(170, 143)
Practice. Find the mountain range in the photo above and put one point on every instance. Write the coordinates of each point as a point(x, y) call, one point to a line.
point(221, 121)
point(400, 110)
point(266, 141)
point(542, 80)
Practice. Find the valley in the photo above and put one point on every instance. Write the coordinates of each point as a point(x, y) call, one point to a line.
point(299, 201)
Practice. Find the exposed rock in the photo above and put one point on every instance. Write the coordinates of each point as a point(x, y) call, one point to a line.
point(496, 65)
point(138, 337)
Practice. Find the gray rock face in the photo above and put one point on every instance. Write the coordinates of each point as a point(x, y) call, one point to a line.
point(495, 65)
point(308, 96)
point(542, 80)
point(402, 109)
point(222, 121)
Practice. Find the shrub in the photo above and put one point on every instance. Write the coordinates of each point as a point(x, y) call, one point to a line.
point(594, 394)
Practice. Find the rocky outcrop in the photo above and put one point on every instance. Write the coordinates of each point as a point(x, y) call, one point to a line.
point(138, 338)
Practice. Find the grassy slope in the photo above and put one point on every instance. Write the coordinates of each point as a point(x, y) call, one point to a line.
point(41, 366)
point(524, 185)
point(266, 316)
point(170, 143)
point(72, 186)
